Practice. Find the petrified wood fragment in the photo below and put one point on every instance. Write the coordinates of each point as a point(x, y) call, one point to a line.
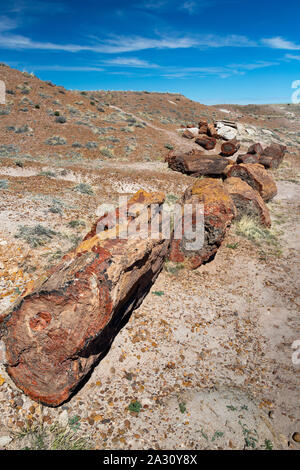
point(257, 177)
point(64, 325)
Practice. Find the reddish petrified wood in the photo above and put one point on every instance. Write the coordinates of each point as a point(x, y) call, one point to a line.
point(194, 163)
point(63, 326)
point(208, 143)
point(230, 147)
point(188, 134)
point(247, 201)
point(248, 158)
point(257, 177)
point(255, 149)
point(203, 129)
point(212, 131)
point(210, 198)
point(272, 156)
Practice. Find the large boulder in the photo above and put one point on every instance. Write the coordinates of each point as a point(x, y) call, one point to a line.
point(247, 201)
point(194, 163)
point(212, 213)
point(63, 326)
point(227, 132)
point(257, 177)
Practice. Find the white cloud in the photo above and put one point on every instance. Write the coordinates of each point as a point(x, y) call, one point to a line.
point(66, 68)
point(130, 62)
point(292, 57)
point(280, 43)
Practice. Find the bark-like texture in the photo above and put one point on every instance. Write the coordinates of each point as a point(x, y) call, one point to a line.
point(62, 327)
point(196, 164)
point(247, 201)
point(257, 177)
point(272, 156)
point(208, 143)
point(218, 208)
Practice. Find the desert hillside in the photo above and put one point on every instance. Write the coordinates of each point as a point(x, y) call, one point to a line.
point(206, 359)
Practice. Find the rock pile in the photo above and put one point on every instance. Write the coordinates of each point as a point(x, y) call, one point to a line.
point(270, 157)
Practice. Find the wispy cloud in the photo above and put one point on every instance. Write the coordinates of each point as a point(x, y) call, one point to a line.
point(292, 57)
point(130, 62)
point(280, 43)
point(66, 68)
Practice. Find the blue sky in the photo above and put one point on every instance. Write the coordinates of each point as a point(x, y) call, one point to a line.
point(212, 51)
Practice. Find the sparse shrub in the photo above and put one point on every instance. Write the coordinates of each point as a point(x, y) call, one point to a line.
point(84, 189)
point(4, 111)
point(35, 236)
point(106, 152)
point(169, 146)
point(49, 174)
point(3, 184)
point(91, 145)
point(37, 106)
point(60, 119)
point(76, 145)
point(56, 140)
point(76, 223)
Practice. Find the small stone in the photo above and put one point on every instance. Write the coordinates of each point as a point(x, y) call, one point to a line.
point(296, 436)
point(5, 440)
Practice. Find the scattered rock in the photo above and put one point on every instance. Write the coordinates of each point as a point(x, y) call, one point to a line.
point(296, 437)
point(4, 441)
point(225, 131)
point(247, 201)
point(188, 134)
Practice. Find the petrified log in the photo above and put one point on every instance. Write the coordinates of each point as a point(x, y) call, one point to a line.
point(247, 201)
point(203, 129)
point(248, 158)
point(230, 148)
point(212, 212)
point(196, 164)
point(255, 149)
point(202, 122)
point(188, 134)
point(212, 131)
point(63, 326)
point(272, 156)
point(257, 177)
point(208, 143)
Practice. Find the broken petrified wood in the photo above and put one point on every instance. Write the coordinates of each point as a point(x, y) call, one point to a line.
point(247, 201)
point(212, 131)
point(212, 211)
point(248, 158)
point(230, 147)
point(203, 129)
point(64, 325)
point(194, 163)
point(272, 156)
point(208, 143)
point(257, 177)
point(255, 149)
point(188, 134)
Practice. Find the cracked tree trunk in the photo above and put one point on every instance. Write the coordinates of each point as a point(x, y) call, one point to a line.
point(59, 330)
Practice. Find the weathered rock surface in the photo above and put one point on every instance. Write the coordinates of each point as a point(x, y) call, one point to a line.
point(208, 143)
point(211, 200)
point(257, 177)
point(59, 329)
point(196, 164)
point(227, 132)
point(247, 201)
point(255, 149)
point(248, 158)
point(272, 156)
